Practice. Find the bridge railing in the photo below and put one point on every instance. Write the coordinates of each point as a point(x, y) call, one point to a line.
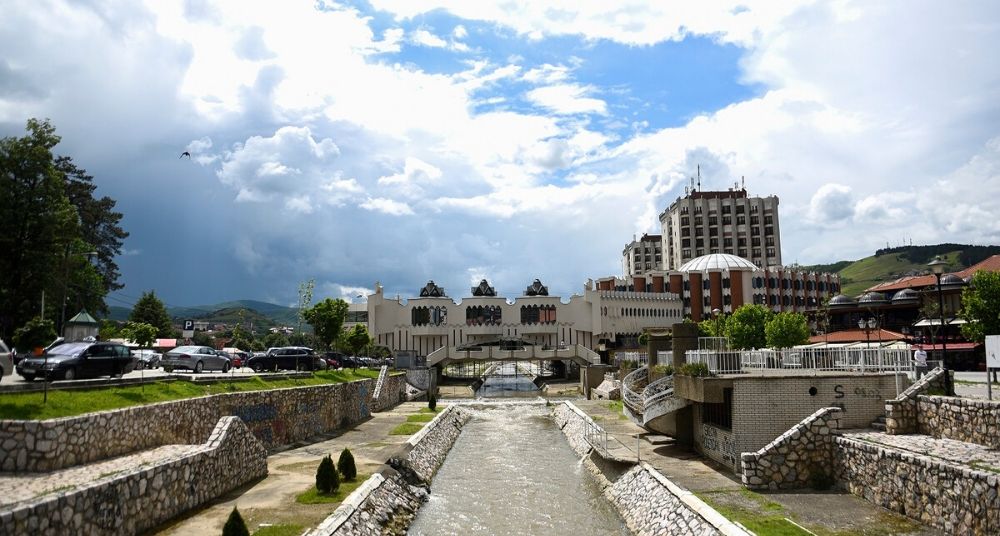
point(632, 385)
point(864, 360)
point(596, 437)
point(529, 352)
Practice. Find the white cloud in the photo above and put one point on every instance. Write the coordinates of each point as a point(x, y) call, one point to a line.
point(387, 206)
point(427, 39)
point(832, 204)
point(567, 99)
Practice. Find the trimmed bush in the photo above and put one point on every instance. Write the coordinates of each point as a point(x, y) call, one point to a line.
point(345, 465)
point(432, 402)
point(235, 526)
point(698, 370)
point(327, 480)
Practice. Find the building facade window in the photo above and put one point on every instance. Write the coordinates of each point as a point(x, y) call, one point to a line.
point(424, 316)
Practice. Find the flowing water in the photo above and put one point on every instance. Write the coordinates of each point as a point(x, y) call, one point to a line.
point(508, 381)
point(511, 471)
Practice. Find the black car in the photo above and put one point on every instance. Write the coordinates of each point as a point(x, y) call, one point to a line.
point(286, 358)
point(73, 360)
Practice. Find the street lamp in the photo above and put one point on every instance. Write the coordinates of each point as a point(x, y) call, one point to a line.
point(937, 267)
point(868, 325)
point(715, 315)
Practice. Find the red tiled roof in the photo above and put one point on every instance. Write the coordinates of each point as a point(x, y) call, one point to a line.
point(990, 264)
point(858, 335)
point(957, 346)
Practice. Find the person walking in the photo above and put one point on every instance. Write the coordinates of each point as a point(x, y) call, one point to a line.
point(920, 360)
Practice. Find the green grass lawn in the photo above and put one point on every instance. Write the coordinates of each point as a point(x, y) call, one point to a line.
point(407, 428)
point(762, 516)
point(420, 417)
point(313, 496)
point(280, 530)
point(69, 402)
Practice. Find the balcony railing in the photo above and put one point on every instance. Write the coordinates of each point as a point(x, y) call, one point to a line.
point(865, 360)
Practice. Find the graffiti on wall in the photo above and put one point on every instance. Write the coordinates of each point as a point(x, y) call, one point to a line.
point(718, 444)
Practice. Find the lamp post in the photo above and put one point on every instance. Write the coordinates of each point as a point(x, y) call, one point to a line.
point(715, 316)
point(868, 325)
point(937, 267)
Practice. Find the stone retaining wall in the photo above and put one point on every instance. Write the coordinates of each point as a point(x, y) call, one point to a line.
point(958, 500)
point(386, 502)
point(393, 392)
point(574, 424)
point(901, 412)
point(134, 502)
point(798, 458)
point(961, 419)
point(651, 504)
point(276, 417)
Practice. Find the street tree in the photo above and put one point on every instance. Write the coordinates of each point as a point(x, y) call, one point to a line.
point(356, 339)
point(745, 327)
point(140, 333)
point(275, 340)
point(327, 319)
point(981, 306)
point(787, 329)
point(150, 309)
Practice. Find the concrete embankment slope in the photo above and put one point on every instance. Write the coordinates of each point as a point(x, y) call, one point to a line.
point(649, 503)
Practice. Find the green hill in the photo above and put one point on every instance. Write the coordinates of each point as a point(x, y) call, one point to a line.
point(263, 315)
point(892, 263)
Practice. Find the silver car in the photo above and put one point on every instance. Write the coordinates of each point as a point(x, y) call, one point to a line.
point(196, 358)
point(6, 360)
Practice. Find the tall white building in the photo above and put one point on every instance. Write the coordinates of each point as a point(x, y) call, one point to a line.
point(728, 222)
point(642, 256)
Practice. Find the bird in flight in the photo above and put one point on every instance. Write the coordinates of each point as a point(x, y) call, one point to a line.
point(187, 154)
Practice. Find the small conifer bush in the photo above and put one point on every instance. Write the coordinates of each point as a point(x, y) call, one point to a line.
point(432, 402)
point(327, 480)
point(235, 526)
point(345, 465)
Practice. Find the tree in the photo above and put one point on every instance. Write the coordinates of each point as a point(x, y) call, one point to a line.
point(327, 480)
point(357, 339)
point(36, 333)
point(346, 466)
point(109, 330)
point(275, 340)
point(202, 339)
point(140, 333)
point(981, 306)
point(714, 327)
point(745, 327)
point(150, 309)
point(301, 339)
point(235, 526)
point(327, 319)
point(241, 338)
point(787, 329)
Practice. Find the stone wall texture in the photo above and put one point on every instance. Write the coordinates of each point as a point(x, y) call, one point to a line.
point(276, 417)
point(798, 458)
point(652, 505)
point(136, 501)
point(386, 502)
point(957, 500)
point(901, 412)
point(961, 419)
point(574, 424)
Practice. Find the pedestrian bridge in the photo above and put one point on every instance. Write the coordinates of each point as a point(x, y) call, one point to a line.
point(576, 353)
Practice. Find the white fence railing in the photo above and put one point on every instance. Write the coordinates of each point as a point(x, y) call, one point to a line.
point(640, 358)
point(836, 359)
point(632, 385)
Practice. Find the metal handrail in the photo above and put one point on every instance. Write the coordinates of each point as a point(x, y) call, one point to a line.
point(865, 360)
point(596, 437)
point(633, 381)
point(660, 385)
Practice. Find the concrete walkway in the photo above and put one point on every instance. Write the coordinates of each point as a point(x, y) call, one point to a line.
point(822, 512)
point(23, 487)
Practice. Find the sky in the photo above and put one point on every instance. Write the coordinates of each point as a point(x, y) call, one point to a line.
point(401, 141)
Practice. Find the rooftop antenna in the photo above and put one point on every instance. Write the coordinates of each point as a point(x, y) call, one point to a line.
point(699, 176)
point(743, 182)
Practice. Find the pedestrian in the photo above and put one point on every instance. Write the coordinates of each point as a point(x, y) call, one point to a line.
point(920, 360)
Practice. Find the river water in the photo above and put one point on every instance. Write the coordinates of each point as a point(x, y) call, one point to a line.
point(511, 471)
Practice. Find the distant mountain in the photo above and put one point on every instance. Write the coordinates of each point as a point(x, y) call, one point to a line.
point(262, 314)
point(892, 263)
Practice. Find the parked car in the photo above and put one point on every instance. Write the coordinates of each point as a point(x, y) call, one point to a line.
point(349, 361)
point(73, 360)
point(6, 360)
point(146, 359)
point(287, 358)
point(195, 358)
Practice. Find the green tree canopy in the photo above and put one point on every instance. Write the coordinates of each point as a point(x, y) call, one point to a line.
point(357, 338)
point(787, 329)
point(275, 340)
point(150, 309)
point(140, 333)
point(48, 219)
point(745, 327)
point(981, 306)
point(714, 327)
point(327, 319)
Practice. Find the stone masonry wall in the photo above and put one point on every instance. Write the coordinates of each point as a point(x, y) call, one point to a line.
point(393, 392)
point(961, 419)
point(798, 458)
point(137, 501)
point(276, 417)
point(651, 505)
point(901, 412)
point(958, 500)
point(574, 423)
point(385, 503)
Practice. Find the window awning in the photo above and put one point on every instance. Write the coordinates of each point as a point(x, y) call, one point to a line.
point(937, 322)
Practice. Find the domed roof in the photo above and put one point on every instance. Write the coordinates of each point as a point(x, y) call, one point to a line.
point(842, 299)
point(869, 298)
point(951, 279)
point(907, 294)
point(717, 261)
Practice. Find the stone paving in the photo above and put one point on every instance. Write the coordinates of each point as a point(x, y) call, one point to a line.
point(21, 487)
point(947, 450)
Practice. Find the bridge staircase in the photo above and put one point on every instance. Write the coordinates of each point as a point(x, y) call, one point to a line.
point(651, 404)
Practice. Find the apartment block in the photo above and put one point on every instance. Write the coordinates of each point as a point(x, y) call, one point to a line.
point(643, 255)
